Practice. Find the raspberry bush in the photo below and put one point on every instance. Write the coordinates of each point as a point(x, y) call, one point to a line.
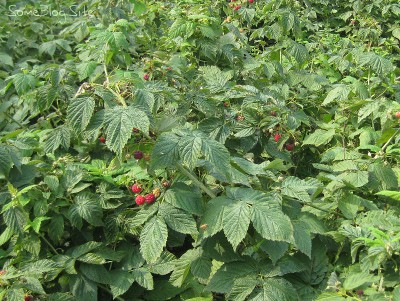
point(213, 150)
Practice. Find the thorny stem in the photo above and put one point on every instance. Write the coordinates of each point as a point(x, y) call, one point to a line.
point(196, 181)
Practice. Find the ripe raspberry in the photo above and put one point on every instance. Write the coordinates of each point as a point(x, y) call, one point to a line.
point(277, 137)
point(102, 139)
point(251, 1)
point(289, 146)
point(150, 198)
point(136, 188)
point(140, 200)
point(165, 184)
point(397, 114)
point(237, 7)
point(138, 155)
point(146, 76)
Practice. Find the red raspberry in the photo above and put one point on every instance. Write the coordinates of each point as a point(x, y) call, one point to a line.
point(136, 188)
point(150, 198)
point(289, 146)
point(28, 298)
point(251, 1)
point(360, 292)
point(138, 155)
point(237, 7)
point(102, 139)
point(277, 137)
point(397, 115)
point(146, 76)
point(140, 199)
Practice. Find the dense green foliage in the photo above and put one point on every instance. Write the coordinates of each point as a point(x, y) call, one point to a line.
point(265, 129)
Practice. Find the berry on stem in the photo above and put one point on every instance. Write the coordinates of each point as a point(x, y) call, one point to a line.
point(146, 76)
point(138, 155)
point(140, 199)
point(28, 298)
point(289, 146)
point(237, 7)
point(150, 198)
point(277, 137)
point(165, 184)
point(135, 130)
point(397, 114)
point(251, 1)
point(102, 139)
point(136, 188)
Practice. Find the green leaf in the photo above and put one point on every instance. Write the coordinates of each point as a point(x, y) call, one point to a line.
point(177, 219)
point(395, 195)
point(183, 196)
point(236, 221)
point(319, 137)
point(165, 152)
point(326, 296)
point(242, 287)
point(80, 111)
point(15, 294)
point(340, 92)
point(219, 157)
point(119, 122)
point(182, 267)
point(96, 273)
point(24, 82)
point(213, 216)
point(356, 179)
point(153, 238)
point(6, 161)
point(121, 282)
point(6, 60)
point(87, 207)
point(216, 79)
point(143, 277)
point(276, 289)
point(59, 136)
point(16, 219)
point(190, 149)
point(271, 222)
point(85, 69)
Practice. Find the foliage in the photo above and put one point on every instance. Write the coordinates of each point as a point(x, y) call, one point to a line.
point(266, 131)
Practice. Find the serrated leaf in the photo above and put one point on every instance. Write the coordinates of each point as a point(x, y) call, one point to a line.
point(85, 69)
point(183, 196)
point(24, 82)
point(153, 238)
point(236, 221)
point(143, 277)
point(242, 287)
point(165, 152)
point(80, 111)
point(121, 282)
point(339, 93)
point(182, 267)
point(119, 122)
point(190, 149)
point(60, 136)
point(216, 79)
point(319, 137)
point(213, 216)
point(177, 219)
point(276, 289)
point(219, 157)
point(271, 222)
point(87, 207)
point(356, 179)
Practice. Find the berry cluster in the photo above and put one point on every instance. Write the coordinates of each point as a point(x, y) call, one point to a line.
point(149, 198)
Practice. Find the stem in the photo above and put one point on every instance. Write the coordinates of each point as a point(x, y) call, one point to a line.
point(108, 291)
point(49, 244)
point(390, 140)
point(196, 181)
point(13, 120)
